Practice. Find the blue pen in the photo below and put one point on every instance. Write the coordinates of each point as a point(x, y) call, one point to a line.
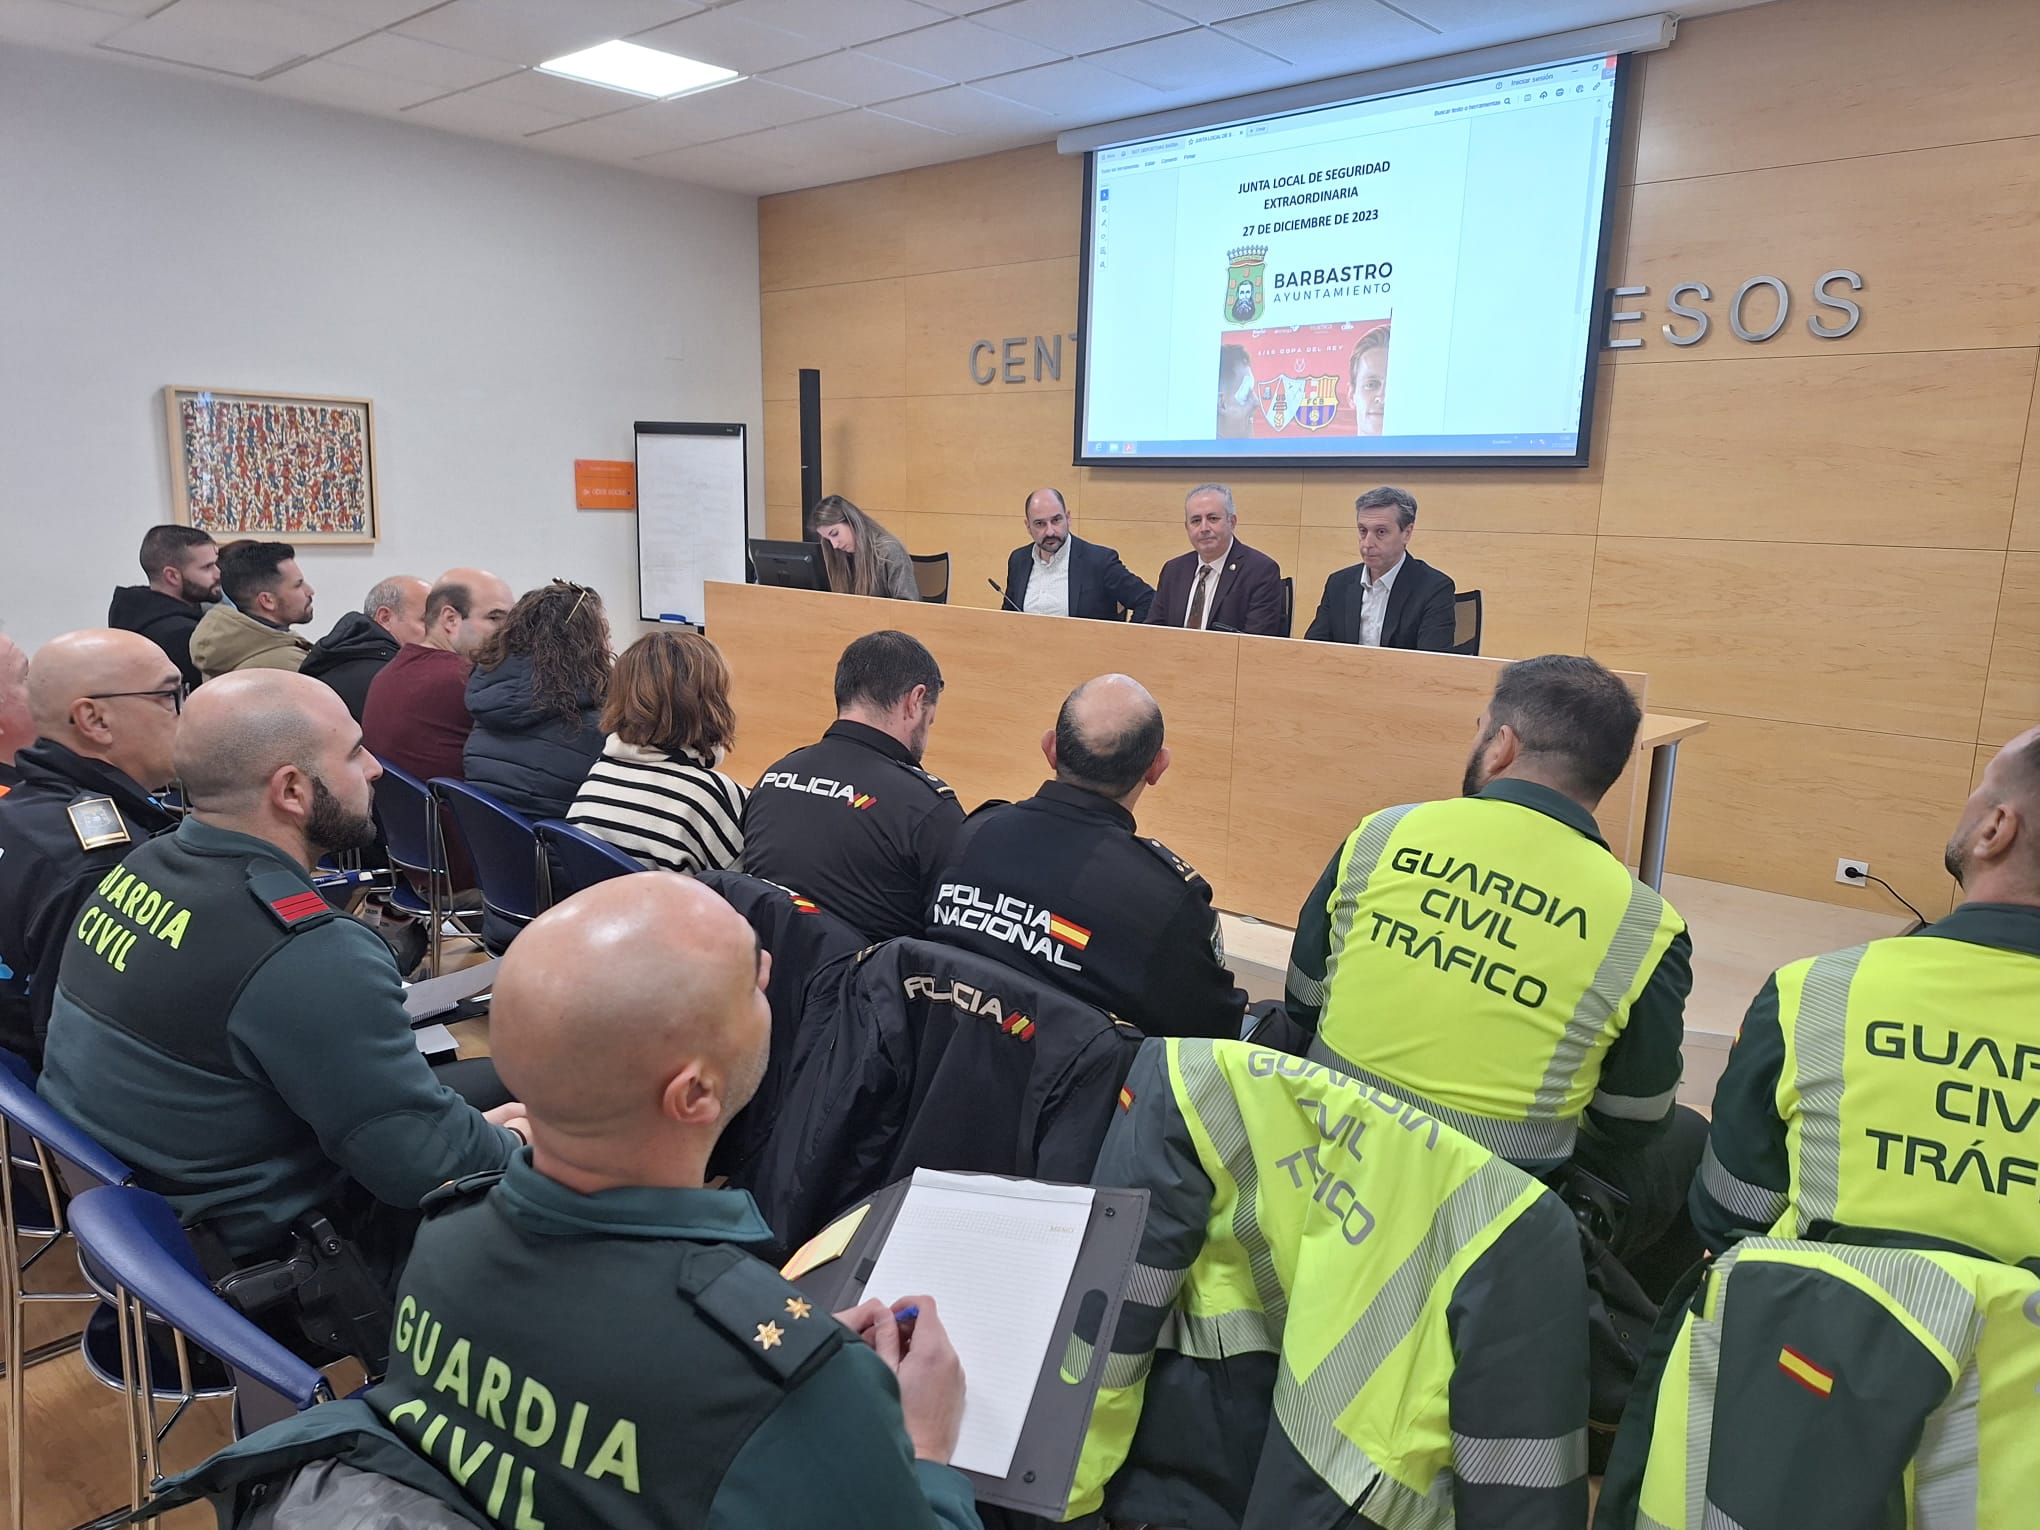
point(906, 1314)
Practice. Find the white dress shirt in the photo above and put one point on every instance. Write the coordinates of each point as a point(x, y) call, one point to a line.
point(1217, 567)
point(1374, 595)
point(1048, 584)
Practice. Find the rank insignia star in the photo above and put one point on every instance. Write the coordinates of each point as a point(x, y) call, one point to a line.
point(798, 1308)
point(769, 1334)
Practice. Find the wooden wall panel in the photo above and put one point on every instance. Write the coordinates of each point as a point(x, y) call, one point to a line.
point(1558, 500)
point(1898, 450)
point(2011, 700)
point(865, 443)
point(977, 546)
point(2026, 518)
point(1947, 240)
point(1894, 639)
point(1262, 498)
point(983, 453)
point(1892, 75)
point(947, 313)
point(855, 333)
point(1775, 804)
point(782, 454)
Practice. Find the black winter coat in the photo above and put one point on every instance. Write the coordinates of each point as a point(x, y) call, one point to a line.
point(163, 619)
point(349, 657)
point(529, 762)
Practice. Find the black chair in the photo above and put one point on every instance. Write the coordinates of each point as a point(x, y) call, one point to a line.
point(574, 859)
point(931, 573)
point(1466, 622)
point(1288, 605)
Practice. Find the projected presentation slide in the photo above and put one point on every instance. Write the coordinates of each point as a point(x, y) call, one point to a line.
point(1407, 278)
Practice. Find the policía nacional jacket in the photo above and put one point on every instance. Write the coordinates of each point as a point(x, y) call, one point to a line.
point(1340, 1306)
point(914, 1055)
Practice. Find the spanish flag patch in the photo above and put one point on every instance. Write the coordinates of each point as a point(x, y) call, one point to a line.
point(1019, 1025)
point(862, 801)
point(1805, 1372)
point(805, 905)
point(1125, 1099)
point(1068, 932)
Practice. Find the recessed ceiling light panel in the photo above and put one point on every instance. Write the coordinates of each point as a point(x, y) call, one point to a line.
point(640, 71)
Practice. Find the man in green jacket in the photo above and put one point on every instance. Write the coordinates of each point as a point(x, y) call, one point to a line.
point(580, 1340)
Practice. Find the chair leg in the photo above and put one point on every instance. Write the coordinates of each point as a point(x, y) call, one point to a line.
point(15, 1313)
point(130, 1366)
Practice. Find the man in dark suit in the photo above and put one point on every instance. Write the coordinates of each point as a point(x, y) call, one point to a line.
point(1388, 599)
point(1062, 575)
point(1221, 583)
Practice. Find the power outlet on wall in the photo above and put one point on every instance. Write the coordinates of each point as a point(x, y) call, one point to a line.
point(1852, 873)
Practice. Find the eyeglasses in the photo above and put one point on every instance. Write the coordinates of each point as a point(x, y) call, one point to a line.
point(174, 695)
point(582, 593)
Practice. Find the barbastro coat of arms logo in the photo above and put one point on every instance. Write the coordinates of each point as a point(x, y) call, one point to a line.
point(1245, 276)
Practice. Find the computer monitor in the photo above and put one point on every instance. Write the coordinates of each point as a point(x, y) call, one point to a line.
point(790, 565)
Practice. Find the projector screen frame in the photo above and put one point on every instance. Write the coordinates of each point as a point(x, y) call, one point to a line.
point(1619, 133)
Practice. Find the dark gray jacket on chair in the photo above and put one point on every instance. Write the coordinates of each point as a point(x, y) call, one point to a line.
point(534, 763)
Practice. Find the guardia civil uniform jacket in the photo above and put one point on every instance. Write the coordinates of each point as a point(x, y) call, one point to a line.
point(617, 1359)
point(1894, 1085)
point(1489, 957)
point(1340, 1306)
point(70, 820)
point(1812, 1386)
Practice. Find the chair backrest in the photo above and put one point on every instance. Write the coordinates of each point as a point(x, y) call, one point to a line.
point(1466, 622)
point(1288, 605)
point(931, 573)
point(501, 842)
point(132, 1238)
point(81, 1161)
point(403, 806)
point(577, 859)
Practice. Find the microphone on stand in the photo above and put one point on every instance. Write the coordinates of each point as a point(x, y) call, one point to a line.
point(1005, 600)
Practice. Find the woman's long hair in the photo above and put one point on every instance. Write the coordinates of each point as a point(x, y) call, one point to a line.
point(671, 692)
point(561, 629)
point(848, 575)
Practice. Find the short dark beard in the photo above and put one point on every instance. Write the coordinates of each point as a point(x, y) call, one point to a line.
point(332, 828)
point(1955, 858)
point(1471, 783)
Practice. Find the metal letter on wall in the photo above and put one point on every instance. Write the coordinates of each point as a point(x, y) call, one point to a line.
point(1013, 359)
point(1047, 357)
point(1821, 331)
point(1627, 316)
point(1679, 308)
point(990, 374)
point(1778, 321)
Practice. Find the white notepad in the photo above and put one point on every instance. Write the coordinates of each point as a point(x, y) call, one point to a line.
point(997, 1255)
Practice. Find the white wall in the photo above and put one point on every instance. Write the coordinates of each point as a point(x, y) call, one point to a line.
point(507, 310)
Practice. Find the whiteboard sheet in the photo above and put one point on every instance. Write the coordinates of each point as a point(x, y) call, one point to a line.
point(693, 515)
point(997, 1255)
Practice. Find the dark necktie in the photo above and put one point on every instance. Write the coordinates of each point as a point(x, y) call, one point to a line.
point(1196, 618)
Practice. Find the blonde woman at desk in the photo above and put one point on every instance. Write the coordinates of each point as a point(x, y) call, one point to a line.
point(861, 556)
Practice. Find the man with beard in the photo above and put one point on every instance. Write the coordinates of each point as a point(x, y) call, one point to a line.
point(182, 564)
point(1890, 1085)
point(223, 1030)
point(270, 595)
point(1060, 574)
point(1490, 960)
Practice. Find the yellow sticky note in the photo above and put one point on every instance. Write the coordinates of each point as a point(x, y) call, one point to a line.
point(827, 1244)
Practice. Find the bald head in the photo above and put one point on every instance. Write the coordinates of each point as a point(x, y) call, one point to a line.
point(240, 729)
point(631, 1012)
point(464, 608)
point(1995, 850)
point(397, 605)
point(17, 726)
point(109, 696)
point(1108, 737)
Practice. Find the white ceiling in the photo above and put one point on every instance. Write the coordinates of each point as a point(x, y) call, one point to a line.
point(835, 89)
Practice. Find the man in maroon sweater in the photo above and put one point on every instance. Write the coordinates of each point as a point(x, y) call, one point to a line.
point(416, 717)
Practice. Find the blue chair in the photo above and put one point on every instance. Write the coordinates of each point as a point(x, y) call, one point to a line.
point(575, 859)
point(409, 815)
point(130, 1240)
point(38, 1143)
point(503, 845)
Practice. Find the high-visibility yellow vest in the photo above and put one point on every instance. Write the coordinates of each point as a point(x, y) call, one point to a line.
point(1816, 1384)
point(1483, 958)
point(1375, 1310)
point(1911, 1095)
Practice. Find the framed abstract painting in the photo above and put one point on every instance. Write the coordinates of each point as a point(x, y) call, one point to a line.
point(281, 466)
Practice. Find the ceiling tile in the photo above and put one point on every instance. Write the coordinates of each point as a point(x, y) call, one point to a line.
point(1204, 61)
point(1225, 10)
point(1549, 16)
point(970, 113)
point(620, 138)
point(837, 23)
point(244, 37)
point(1082, 26)
point(112, 7)
point(369, 13)
point(572, 99)
point(469, 112)
point(856, 79)
point(963, 7)
point(1075, 91)
point(1335, 35)
point(320, 79)
point(721, 37)
point(46, 24)
point(532, 31)
point(962, 50)
point(426, 63)
point(864, 132)
point(748, 106)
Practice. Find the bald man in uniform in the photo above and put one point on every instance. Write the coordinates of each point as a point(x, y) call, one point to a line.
point(1063, 886)
point(221, 1028)
point(706, 1391)
point(105, 707)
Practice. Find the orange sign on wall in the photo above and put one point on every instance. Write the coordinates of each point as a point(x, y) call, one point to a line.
point(600, 485)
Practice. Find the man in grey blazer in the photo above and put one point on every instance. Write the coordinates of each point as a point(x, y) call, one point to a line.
point(1388, 599)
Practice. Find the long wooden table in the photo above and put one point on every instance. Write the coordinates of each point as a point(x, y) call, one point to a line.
point(1279, 746)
